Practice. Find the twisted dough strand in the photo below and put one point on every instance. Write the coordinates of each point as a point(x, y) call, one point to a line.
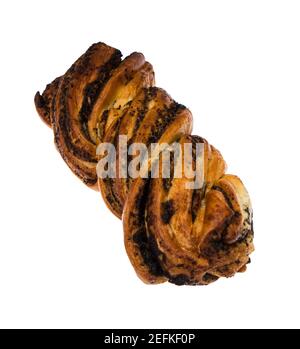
point(171, 233)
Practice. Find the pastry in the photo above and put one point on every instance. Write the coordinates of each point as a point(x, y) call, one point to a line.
point(189, 236)
point(81, 105)
point(172, 232)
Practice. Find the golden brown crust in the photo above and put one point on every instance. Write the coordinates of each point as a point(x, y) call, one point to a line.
point(43, 102)
point(152, 117)
point(98, 84)
point(137, 244)
point(193, 236)
point(125, 82)
point(171, 232)
point(77, 92)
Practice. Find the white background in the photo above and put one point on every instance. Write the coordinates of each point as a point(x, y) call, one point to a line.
point(236, 65)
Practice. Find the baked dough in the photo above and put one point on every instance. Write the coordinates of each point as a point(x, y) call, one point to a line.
point(189, 236)
point(171, 233)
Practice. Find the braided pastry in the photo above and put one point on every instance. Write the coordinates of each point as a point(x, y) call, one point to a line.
point(171, 233)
